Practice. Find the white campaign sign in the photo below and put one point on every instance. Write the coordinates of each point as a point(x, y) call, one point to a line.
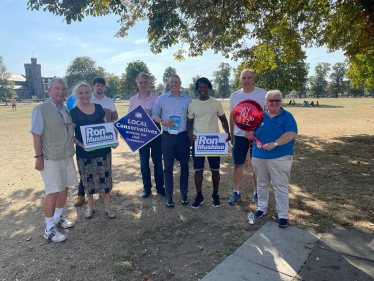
point(211, 144)
point(98, 136)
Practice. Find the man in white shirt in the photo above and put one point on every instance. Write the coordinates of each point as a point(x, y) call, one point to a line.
point(240, 143)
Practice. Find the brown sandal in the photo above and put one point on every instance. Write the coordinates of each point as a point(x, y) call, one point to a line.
point(88, 213)
point(110, 214)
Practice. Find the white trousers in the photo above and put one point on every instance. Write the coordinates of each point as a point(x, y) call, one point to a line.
point(278, 172)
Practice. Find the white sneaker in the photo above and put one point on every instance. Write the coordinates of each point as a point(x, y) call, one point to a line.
point(63, 222)
point(54, 235)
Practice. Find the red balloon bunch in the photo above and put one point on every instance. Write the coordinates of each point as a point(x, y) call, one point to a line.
point(248, 115)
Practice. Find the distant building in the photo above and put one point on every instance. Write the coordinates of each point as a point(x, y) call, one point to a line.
point(30, 84)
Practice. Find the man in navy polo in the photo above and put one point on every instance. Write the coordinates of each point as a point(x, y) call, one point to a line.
point(170, 111)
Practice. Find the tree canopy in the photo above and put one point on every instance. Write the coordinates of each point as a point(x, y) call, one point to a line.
point(128, 80)
point(243, 29)
point(318, 83)
point(6, 91)
point(169, 71)
point(82, 69)
point(337, 76)
point(286, 77)
point(221, 80)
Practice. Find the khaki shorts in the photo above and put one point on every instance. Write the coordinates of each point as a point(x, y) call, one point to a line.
point(59, 174)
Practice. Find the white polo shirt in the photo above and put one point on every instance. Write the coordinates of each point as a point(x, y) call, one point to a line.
point(109, 107)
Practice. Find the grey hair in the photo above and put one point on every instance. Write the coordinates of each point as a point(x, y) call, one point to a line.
point(245, 70)
point(77, 86)
point(141, 75)
point(273, 93)
point(175, 75)
point(56, 79)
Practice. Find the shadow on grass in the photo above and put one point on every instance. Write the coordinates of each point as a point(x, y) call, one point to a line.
point(332, 183)
point(331, 186)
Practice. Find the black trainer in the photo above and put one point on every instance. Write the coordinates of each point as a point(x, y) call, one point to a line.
point(199, 200)
point(161, 191)
point(169, 203)
point(146, 193)
point(184, 199)
point(215, 199)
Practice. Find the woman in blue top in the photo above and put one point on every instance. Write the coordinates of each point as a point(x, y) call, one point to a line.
point(273, 161)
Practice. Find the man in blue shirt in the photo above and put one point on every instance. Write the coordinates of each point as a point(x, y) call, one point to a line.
point(170, 111)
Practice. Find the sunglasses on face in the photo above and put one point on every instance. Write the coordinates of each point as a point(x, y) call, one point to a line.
point(274, 101)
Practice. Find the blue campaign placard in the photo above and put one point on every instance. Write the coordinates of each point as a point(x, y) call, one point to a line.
point(137, 128)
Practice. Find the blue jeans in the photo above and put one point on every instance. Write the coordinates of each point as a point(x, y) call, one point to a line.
point(152, 149)
point(172, 144)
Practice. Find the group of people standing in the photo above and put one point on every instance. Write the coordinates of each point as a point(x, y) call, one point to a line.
point(55, 130)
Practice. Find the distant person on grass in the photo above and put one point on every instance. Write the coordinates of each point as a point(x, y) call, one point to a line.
point(13, 102)
point(147, 99)
point(111, 115)
point(95, 167)
point(241, 145)
point(273, 162)
point(170, 111)
point(203, 115)
point(52, 131)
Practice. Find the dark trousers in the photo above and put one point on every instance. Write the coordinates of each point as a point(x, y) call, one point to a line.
point(152, 149)
point(81, 189)
point(172, 144)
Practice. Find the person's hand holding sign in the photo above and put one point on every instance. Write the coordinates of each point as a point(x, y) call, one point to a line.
point(168, 123)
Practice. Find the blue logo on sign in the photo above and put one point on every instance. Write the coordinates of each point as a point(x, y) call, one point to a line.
point(209, 143)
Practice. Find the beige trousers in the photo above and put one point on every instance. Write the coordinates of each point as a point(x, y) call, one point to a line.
point(278, 172)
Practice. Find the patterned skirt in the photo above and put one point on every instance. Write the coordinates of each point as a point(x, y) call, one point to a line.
point(96, 174)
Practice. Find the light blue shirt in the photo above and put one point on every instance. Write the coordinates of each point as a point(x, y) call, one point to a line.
point(168, 105)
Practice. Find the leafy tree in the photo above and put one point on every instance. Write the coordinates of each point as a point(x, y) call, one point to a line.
point(113, 86)
point(82, 69)
point(160, 89)
point(286, 77)
point(361, 69)
point(318, 83)
point(337, 76)
point(302, 91)
point(221, 80)
point(228, 26)
point(169, 71)
point(356, 91)
point(6, 86)
point(128, 80)
point(192, 86)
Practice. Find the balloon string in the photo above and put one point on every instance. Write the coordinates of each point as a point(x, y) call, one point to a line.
point(249, 164)
point(258, 143)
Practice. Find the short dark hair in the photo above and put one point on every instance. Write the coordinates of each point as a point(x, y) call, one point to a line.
point(98, 80)
point(204, 81)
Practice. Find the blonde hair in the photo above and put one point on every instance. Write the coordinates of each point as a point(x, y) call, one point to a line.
point(76, 87)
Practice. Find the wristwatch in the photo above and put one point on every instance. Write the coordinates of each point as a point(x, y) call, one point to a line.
point(275, 143)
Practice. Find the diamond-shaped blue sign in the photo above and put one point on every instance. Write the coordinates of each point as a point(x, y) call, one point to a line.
point(137, 128)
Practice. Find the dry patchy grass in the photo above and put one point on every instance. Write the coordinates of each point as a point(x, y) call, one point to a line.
point(331, 186)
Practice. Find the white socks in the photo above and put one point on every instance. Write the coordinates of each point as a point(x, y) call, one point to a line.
point(50, 223)
point(58, 213)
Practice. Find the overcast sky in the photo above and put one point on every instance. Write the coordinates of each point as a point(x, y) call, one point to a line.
point(55, 44)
